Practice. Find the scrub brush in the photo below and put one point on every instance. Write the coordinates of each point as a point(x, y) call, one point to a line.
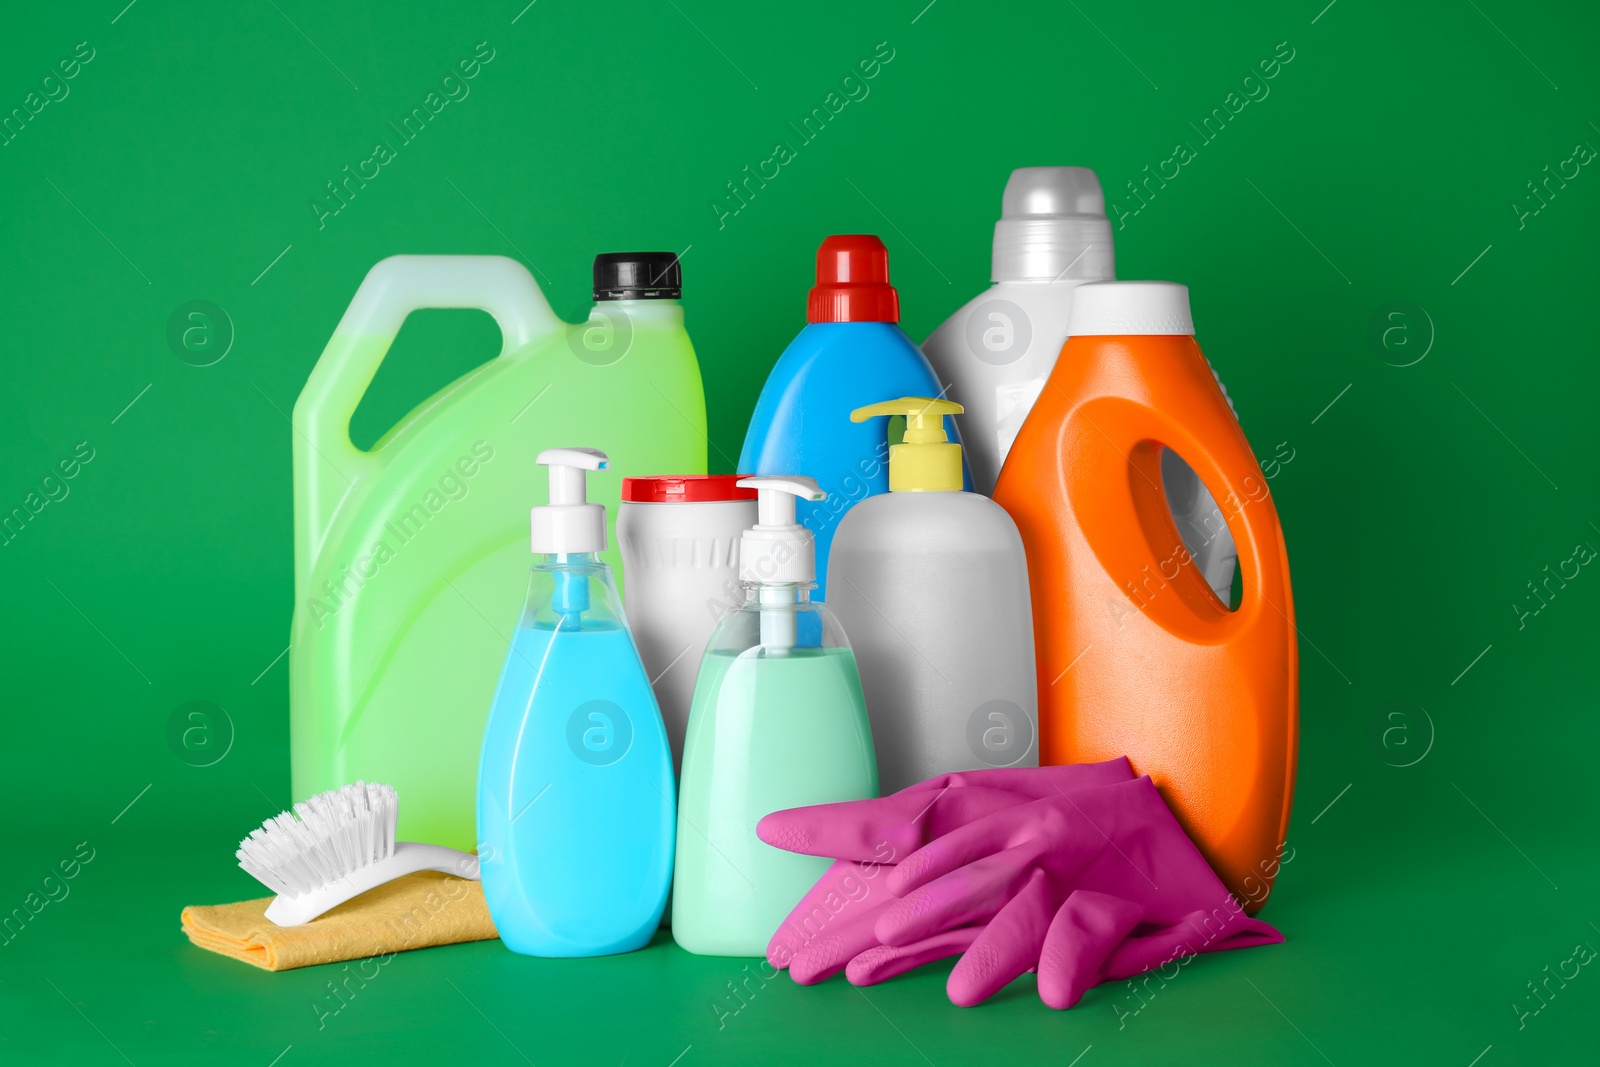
point(341, 845)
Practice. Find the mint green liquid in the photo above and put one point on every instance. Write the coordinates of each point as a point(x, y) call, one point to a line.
point(766, 732)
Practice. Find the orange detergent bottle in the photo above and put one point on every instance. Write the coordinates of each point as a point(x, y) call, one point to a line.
point(1136, 655)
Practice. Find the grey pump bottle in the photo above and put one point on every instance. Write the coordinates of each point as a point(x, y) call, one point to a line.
point(931, 584)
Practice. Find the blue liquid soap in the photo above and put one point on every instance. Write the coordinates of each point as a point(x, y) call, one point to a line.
point(576, 818)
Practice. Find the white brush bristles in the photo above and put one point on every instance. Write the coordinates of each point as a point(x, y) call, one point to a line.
point(337, 833)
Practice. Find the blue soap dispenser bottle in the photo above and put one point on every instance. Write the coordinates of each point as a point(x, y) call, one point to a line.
point(576, 815)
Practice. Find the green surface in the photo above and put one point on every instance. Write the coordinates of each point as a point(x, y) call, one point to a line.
point(1386, 164)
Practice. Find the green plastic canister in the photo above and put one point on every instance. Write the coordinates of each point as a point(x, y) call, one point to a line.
point(412, 559)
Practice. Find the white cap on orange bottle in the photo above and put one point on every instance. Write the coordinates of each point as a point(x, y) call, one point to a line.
point(1107, 309)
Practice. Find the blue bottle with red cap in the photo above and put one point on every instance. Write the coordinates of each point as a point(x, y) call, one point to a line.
point(852, 353)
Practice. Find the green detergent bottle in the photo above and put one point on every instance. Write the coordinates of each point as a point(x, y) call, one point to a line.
point(411, 559)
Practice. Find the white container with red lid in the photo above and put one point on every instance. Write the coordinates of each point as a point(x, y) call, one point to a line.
point(679, 537)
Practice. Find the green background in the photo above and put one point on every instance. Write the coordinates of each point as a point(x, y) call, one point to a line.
point(1445, 826)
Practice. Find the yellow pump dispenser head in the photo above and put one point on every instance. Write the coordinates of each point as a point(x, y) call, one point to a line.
point(925, 461)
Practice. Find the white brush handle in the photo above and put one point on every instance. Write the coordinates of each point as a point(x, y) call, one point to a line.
point(408, 858)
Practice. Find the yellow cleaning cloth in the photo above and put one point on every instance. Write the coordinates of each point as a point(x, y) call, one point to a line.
point(417, 911)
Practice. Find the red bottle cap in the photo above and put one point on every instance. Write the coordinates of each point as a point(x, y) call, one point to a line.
point(685, 489)
point(853, 282)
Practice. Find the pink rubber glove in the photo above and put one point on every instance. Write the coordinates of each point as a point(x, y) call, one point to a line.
point(834, 922)
point(1089, 921)
point(1082, 886)
point(901, 823)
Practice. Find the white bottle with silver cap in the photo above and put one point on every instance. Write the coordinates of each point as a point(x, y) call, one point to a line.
point(995, 353)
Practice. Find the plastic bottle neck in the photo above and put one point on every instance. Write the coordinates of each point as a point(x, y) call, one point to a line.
point(655, 312)
point(570, 597)
point(767, 594)
point(778, 603)
point(1064, 282)
point(1045, 251)
point(569, 559)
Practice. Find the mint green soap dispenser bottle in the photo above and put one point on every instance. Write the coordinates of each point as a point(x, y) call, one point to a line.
point(778, 721)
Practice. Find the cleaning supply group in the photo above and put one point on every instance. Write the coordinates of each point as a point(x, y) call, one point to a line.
point(957, 665)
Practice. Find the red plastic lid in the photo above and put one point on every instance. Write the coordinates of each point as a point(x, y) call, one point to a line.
point(685, 489)
point(853, 282)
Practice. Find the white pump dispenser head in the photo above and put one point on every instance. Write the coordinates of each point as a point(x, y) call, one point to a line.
point(569, 523)
point(777, 549)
